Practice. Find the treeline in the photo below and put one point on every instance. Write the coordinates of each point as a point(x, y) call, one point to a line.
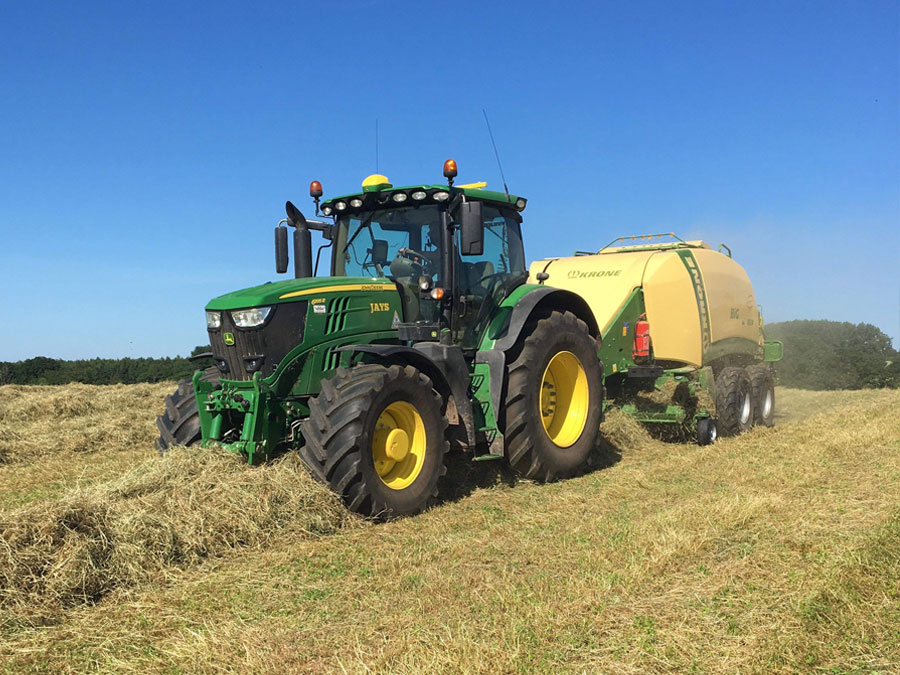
point(817, 355)
point(44, 370)
point(835, 355)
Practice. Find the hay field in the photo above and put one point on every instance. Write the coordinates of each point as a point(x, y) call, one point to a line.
point(778, 551)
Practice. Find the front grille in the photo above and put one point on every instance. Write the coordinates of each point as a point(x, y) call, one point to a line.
point(258, 349)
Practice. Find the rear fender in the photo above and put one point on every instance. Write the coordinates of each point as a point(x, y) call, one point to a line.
point(513, 315)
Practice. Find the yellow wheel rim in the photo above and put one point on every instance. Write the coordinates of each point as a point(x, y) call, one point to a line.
point(565, 397)
point(398, 445)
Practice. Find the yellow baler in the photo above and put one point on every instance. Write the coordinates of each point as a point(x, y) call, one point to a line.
point(701, 312)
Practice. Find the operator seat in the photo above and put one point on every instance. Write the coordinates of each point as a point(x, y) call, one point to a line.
point(475, 272)
point(406, 275)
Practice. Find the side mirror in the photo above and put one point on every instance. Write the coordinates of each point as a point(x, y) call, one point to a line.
point(281, 249)
point(379, 251)
point(471, 228)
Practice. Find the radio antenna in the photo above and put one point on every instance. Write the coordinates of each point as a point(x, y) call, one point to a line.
point(496, 154)
point(376, 145)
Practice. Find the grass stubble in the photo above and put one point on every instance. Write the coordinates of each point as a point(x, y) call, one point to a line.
point(778, 551)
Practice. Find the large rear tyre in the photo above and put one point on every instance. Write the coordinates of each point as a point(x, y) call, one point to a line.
point(376, 436)
point(762, 394)
point(180, 423)
point(554, 399)
point(734, 406)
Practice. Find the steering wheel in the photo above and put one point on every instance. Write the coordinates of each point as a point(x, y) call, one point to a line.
point(492, 279)
point(416, 257)
point(491, 276)
point(409, 263)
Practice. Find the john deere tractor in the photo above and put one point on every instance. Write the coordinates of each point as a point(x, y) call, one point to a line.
point(424, 333)
point(427, 332)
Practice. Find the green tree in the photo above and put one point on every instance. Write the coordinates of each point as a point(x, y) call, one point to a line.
point(835, 355)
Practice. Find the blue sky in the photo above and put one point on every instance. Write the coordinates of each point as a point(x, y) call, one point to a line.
point(146, 150)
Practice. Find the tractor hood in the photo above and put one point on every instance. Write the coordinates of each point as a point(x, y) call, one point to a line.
point(291, 290)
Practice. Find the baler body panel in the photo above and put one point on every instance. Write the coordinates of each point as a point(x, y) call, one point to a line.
point(699, 302)
point(673, 310)
point(604, 281)
point(732, 304)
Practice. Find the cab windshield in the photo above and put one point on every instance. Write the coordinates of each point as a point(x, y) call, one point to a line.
point(392, 243)
point(403, 244)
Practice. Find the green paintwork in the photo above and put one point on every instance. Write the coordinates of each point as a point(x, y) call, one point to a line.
point(270, 293)
point(693, 270)
point(672, 414)
point(485, 419)
point(357, 311)
point(773, 350)
point(269, 406)
point(497, 325)
point(617, 342)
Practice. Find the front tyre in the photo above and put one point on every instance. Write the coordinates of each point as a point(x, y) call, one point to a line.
point(554, 399)
point(376, 436)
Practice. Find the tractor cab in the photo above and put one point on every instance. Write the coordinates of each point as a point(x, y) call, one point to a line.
point(453, 252)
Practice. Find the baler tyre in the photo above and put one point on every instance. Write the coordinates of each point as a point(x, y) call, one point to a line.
point(376, 436)
point(707, 431)
point(180, 423)
point(554, 398)
point(762, 393)
point(734, 407)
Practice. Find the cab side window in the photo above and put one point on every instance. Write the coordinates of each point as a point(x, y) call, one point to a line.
point(483, 278)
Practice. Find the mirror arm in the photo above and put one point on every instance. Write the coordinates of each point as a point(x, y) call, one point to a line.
point(318, 255)
point(327, 229)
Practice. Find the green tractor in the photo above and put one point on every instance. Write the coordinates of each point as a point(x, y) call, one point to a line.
point(425, 334)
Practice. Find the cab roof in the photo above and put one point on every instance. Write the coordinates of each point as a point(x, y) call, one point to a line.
point(384, 196)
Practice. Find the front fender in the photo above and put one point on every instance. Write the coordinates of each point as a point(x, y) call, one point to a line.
point(444, 364)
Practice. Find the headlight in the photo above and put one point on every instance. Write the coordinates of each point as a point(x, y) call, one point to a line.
point(213, 319)
point(250, 318)
point(356, 203)
point(327, 210)
point(418, 195)
point(441, 196)
point(399, 197)
point(341, 206)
